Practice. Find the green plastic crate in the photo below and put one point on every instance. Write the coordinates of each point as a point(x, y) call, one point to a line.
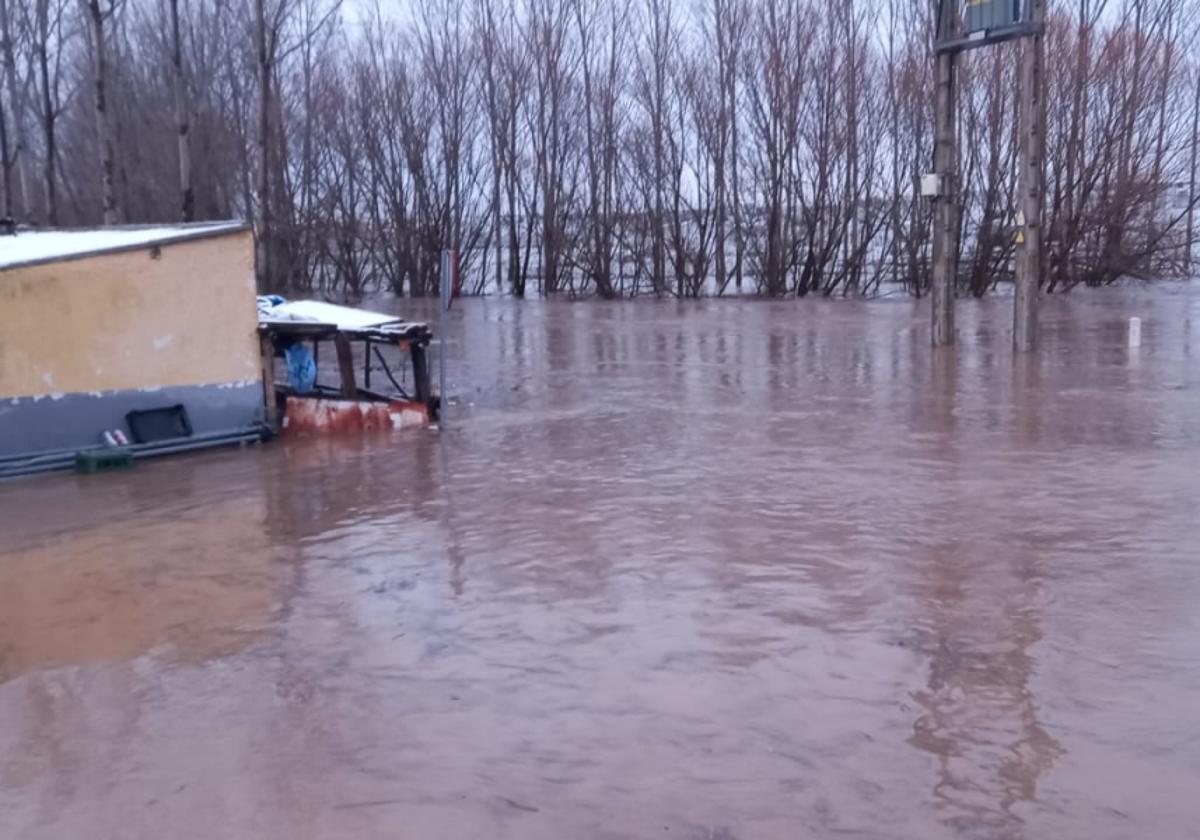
point(102, 460)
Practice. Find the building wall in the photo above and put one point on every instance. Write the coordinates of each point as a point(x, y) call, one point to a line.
point(180, 315)
point(84, 341)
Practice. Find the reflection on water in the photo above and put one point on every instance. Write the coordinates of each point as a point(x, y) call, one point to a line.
point(979, 715)
point(713, 569)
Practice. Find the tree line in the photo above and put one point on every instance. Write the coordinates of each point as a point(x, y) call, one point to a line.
point(597, 147)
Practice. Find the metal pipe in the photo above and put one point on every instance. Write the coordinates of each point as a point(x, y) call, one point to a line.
point(65, 459)
point(45, 453)
point(190, 446)
point(32, 457)
point(446, 290)
point(44, 457)
point(41, 468)
point(204, 436)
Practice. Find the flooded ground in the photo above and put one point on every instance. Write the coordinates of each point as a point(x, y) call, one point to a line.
point(711, 570)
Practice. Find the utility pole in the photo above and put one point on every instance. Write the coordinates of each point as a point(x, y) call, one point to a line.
point(1030, 183)
point(945, 202)
point(984, 23)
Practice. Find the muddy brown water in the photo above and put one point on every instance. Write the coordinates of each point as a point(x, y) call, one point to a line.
point(712, 570)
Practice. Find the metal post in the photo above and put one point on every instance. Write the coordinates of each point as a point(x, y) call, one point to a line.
point(345, 359)
point(367, 364)
point(267, 351)
point(1031, 184)
point(447, 280)
point(945, 207)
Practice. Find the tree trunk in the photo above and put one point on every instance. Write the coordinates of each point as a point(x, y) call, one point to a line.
point(5, 168)
point(49, 114)
point(96, 17)
point(1194, 140)
point(182, 123)
point(16, 189)
point(264, 147)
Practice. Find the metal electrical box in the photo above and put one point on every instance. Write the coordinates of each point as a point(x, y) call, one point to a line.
point(982, 15)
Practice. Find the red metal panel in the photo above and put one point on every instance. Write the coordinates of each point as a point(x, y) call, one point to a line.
point(304, 415)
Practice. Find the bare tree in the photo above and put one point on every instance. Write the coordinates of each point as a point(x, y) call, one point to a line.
point(504, 76)
point(187, 197)
point(776, 77)
point(552, 123)
point(265, 41)
point(604, 148)
point(97, 16)
point(47, 42)
point(653, 90)
point(12, 122)
point(723, 24)
point(600, 40)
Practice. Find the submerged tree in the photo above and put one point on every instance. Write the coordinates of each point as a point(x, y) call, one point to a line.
point(582, 147)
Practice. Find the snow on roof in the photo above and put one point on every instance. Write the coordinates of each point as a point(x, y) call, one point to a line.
point(30, 247)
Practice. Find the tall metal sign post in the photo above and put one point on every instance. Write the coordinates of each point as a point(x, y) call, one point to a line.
point(982, 23)
point(447, 293)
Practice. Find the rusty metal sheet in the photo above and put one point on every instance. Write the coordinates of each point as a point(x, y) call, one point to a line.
point(304, 415)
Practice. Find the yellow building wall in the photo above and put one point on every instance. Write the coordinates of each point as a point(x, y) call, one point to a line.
point(180, 315)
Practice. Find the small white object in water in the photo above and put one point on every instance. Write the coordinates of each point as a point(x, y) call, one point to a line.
point(1135, 332)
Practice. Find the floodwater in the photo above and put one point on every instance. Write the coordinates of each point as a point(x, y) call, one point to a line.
point(705, 570)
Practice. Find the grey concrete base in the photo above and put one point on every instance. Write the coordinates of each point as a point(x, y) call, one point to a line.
point(29, 424)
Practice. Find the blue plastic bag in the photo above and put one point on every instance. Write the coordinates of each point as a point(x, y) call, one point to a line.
point(301, 368)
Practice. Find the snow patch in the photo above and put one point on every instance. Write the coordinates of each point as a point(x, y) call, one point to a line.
point(163, 341)
point(38, 245)
point(344, 317)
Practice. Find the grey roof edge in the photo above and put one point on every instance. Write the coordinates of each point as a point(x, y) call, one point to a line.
point(189, 232)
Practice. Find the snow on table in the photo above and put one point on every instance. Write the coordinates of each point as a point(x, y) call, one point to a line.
point(343, 317)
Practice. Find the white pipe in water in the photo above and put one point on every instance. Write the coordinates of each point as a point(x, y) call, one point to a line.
point(1135, 332)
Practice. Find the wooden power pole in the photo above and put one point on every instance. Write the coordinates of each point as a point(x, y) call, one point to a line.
point(988, 22)
point(1030, 183)
point(945, 202)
